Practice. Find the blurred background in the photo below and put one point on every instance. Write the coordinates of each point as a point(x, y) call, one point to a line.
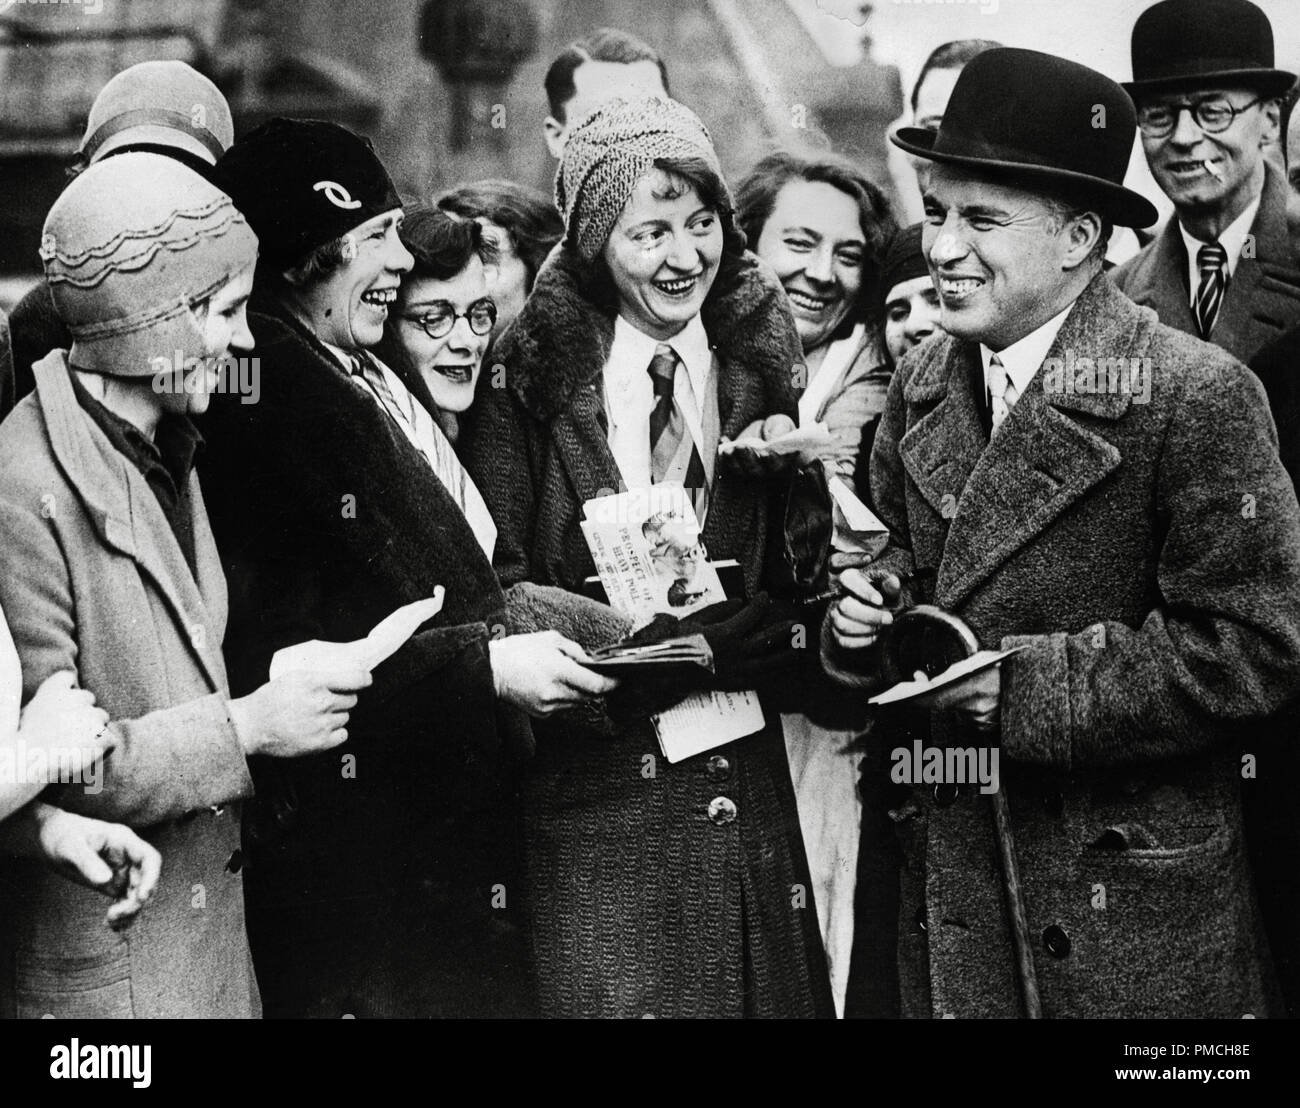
point(451, 90)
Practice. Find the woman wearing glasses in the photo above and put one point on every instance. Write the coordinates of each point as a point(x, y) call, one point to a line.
point(381, 876)
point(444, 315)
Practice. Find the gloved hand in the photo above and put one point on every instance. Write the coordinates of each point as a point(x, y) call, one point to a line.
point(756, 644)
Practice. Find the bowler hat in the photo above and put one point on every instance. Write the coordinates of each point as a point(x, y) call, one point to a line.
point(1182, 43)
point(1043, 123)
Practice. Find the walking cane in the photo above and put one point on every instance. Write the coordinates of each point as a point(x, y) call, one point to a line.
point(929, 639)
point(1025, 972)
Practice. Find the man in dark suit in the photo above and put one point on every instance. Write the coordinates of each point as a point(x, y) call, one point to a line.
point(1206, 94)
point(1042, 468)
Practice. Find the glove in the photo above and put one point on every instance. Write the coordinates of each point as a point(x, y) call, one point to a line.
point(759, 644)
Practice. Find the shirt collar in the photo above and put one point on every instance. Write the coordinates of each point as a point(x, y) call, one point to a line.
point(1232, 240)
point(633, 346)
point(1023, 357)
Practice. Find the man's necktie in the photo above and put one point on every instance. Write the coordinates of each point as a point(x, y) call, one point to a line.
point(999, 388)
point(673, 453)
point(1212, 259)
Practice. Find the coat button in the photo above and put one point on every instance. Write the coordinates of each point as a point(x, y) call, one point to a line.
point(235, 862)
point(919, 919)
point(1056, 941)
point(718, 767)
point(944, 795)
point(722, 810)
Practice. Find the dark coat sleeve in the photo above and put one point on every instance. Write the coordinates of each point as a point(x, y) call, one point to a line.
point(1224, 645)
point(303, 560)
point(1278, 368)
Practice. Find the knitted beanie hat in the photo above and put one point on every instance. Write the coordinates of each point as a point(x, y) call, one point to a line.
point(159, 104)
point(129, 247)
point(609, 151)
point(303, 183)
point(904, 258)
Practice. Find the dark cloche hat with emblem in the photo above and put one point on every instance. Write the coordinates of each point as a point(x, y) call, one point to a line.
point(1040, 122)
point(1186, 43)
point(301, 183)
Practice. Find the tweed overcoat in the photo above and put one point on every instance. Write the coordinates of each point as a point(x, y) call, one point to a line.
point(641, 904)
point(371, 866)
point(93, 580)
point(1147, 556)
point(1263, 296)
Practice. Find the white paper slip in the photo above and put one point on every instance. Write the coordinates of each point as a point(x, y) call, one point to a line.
point(814, 439)
point(858, 518)
point(705, 720)
point(920, 686)
point(385, 639)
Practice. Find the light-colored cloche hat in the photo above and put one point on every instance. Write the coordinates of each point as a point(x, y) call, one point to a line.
point(159, 103)
point(129, 247)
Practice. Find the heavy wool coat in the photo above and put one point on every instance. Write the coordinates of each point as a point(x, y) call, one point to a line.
point(1263, 296)
point(1147, 557)
point(373, 865)
point(93, 580)
point(640, 903)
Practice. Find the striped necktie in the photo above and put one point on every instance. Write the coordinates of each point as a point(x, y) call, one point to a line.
point(674, 455)
point(999, 387)
point(1212, 259)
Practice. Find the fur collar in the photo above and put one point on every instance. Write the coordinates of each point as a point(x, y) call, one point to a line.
point(561, 340)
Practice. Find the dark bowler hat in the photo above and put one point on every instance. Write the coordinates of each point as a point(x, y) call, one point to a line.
point(1042, 123)
point(1185, 43)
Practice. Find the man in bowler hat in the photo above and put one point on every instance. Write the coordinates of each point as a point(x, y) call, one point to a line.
point(1207, 106)
point(1031, 490)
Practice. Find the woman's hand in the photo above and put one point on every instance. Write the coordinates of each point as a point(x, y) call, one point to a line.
point(750, 464)
point(298, 713)
point(107, 857)
point(542, 673)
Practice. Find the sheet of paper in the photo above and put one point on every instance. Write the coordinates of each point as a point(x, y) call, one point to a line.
point(705, 720)
point(384, 640)
point(920, 686)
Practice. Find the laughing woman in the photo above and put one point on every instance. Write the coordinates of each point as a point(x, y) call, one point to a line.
point(823, 226)
point(443, 317)
point(380, 877)
point(655, 888)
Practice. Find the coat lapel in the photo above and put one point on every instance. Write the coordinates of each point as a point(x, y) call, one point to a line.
point(1263, 297)
point(1037, 464)
point(941, 449)
point(127, 515)
point(1161, 286)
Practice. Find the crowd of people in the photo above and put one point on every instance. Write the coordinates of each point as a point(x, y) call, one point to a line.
point(483, 821)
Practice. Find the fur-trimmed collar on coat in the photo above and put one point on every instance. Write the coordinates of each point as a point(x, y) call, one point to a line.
point(561, 340)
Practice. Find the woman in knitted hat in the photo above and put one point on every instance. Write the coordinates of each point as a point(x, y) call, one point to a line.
point(108, 570)
point(383, 879)
point(651, 334)
point(822, 226)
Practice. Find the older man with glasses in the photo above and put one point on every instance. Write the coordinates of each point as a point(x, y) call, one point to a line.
point(1206, 94)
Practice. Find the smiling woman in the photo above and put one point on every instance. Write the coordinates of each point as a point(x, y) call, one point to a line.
point(336, 499)
point(823, 226)
point(650, 335)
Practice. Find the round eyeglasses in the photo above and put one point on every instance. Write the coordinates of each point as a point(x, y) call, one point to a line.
point(1212, 115)
point(438, 318)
